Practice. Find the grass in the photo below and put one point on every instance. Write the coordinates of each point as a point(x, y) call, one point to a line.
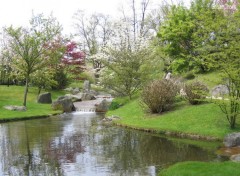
point(202, 169)
point(205, 120)
point(13, 95)
point(211, 79)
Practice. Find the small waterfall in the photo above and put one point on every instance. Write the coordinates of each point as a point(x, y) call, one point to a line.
point(85, 110)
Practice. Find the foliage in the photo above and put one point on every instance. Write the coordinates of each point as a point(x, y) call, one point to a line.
point(196, 92)
point(189, 75)
point(202, 169)
point(74, 60)
point(28, 46)
point(158, 96)
point(182, 33)
point(222, 52)
point(61, 78)
point(125, 70)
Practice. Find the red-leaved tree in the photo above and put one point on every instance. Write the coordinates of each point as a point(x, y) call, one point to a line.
point(74, 60)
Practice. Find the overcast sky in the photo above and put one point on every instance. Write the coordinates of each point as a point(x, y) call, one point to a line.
point(19, 12)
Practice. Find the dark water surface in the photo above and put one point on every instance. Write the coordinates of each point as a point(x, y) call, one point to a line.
point(77, 144)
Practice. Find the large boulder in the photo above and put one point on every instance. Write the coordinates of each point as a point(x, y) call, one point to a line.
point(15, 108)
point(232, 140)
point(63, 103)
point(102, 106)
point(219, 90)
point(45, 98)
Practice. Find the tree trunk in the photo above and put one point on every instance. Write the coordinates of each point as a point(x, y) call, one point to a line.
point(25, 93)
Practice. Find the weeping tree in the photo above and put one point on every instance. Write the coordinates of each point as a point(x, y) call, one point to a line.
point(28, 45)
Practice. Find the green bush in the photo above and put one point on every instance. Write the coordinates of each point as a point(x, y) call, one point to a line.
point(189, 76)
point(159, 95)
point(114, 105)
point(195, 92)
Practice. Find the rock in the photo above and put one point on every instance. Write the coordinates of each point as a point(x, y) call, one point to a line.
point(219, 90)
point(88, 96)
point(69, 89)
point(45, 98)
point(228, 151)
point(75, 98)
point(182, 93)
point(63, 103)
point(102, 106)
point(93, 92)
point(15, 108)
point(235, 158)
point(168, 76)
point(75, 91)
point(232, 140)
point(86, 86)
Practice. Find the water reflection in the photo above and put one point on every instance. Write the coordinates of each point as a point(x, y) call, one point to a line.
point(77, 144)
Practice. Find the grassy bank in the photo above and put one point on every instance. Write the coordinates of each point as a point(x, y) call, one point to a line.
point(201, 121)
point(13, 95)
point(202, 169)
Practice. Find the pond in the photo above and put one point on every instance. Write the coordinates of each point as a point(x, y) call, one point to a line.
point(79, 144)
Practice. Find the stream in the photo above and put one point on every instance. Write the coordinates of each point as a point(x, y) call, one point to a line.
point(79, 144)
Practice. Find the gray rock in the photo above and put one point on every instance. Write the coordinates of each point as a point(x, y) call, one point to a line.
point(93, 92)
point(15, 108)
point(75, 98)
point(102, 106)
point(219, 90)
point(63, 103)
point(88, 96)
point(75, 91)
point(235, 158)
point(232, 140)
point(45, 98)
point(69, 89)
point(86, 86)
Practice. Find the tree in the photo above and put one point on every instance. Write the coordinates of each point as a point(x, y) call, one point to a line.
point(94, 31)
point(183, 32)
point(125, 70)
point(222, 51)
point(28, 45)
point(74, 60)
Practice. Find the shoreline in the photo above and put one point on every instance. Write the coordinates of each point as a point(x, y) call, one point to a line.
point(181, 135)
point(14, 119)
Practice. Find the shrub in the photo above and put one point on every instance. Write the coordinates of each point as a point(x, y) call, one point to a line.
point(114, 105)
point(195, 92)
point(158, 96)
point(189, 76)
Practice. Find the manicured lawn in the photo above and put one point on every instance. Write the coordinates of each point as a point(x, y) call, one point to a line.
point(204, 120)
point(13, 95)
point(203, 169)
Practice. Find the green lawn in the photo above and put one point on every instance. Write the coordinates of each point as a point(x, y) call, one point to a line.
point(204, 120)
point(203, 169)
point(13, 95)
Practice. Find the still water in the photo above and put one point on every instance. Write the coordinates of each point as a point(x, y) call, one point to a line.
point(78, 144)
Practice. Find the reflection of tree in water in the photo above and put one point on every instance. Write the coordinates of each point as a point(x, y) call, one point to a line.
point(65, 148)
point(131, 151)
point(29, 148)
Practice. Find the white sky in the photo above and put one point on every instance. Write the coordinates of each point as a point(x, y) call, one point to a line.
point(19, 12)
